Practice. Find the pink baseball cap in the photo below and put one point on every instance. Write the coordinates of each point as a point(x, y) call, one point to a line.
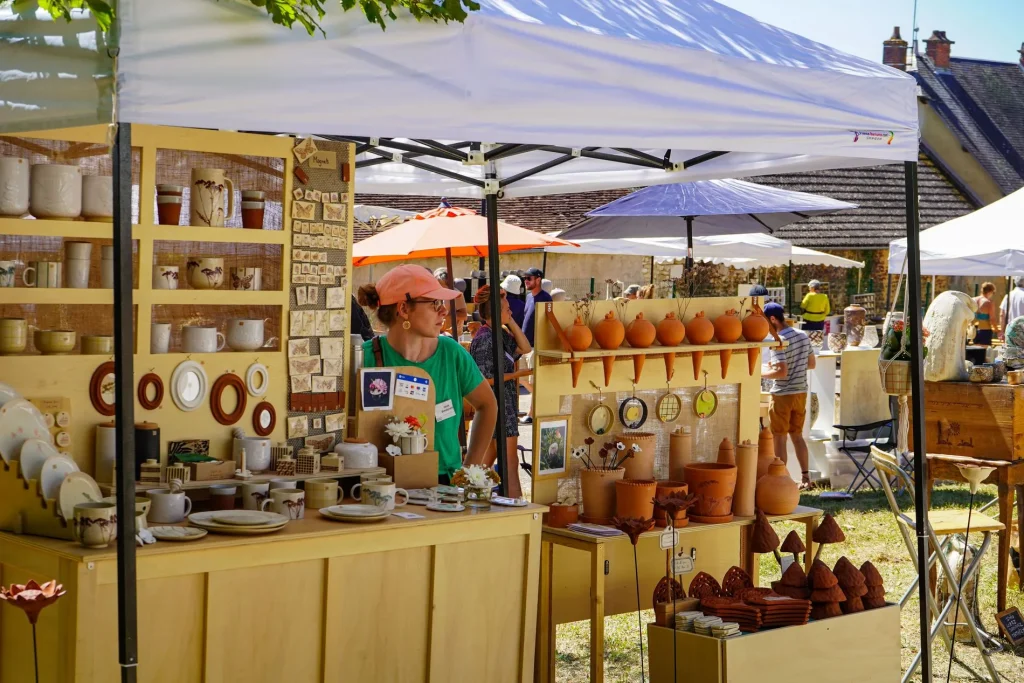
point(408, 282)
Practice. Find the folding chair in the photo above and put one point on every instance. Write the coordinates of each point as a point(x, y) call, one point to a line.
point(882, 435)
point(944, 523)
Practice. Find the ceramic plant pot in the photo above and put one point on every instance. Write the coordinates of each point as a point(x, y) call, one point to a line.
point(598, 486)
point(580, 338)
point(640, 334)
point(56, 191)
point(670, 332)
point(561, 516)
point(641, 465)
point(14, 186)
point(54, 342)
point(699, 331)
point(728, 329)
point(746, 479)
point(609, 334)
point(635, 498)
point(765, 451)
point(664, 490)
point(97, 196)
point(713, 485)
point(777, 493)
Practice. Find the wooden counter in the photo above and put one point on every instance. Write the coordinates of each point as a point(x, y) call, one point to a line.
point(452, 597)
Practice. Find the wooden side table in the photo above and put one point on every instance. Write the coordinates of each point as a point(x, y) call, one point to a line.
point(1008, 476)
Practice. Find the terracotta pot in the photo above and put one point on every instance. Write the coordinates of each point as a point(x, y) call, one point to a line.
point(746, 479)
point(699, 330)
point(561, 516)
point(755, 327)
point(765, 451)
point(598, 486)
point(728, 327)
point(726, 452)
point(713, 485)
point(777, 493)
point(680, 453)
point(641, 332)
point(609, 333)
point(635, 498)
point(641, 465)
point(580, 336)
point(663, 490)
point(671, 331)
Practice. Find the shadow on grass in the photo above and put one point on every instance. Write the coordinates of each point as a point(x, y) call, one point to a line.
point(945, 496)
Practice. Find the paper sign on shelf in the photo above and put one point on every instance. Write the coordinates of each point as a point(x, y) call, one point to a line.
point(682, 565)
point(669, 539)
point(407, 386)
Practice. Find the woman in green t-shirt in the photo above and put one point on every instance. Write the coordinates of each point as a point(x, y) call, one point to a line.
point(411, 304)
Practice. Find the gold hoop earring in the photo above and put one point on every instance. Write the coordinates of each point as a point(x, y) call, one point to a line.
point(406, 325)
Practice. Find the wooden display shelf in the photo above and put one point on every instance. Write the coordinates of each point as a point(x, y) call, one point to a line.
point(652, 350)
point(256, 478)
point(193, 233)
point(218, 297)
point(49, 228)
point(57, 295)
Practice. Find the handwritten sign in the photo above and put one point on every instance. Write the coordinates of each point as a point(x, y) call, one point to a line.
point(1011, 623)
point(324, 160)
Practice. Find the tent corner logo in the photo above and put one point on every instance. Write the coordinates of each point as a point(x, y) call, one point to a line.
point(876, 136)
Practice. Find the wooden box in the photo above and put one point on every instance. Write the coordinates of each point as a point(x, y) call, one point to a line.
point(411, 471)
point(852, 648)
point(210, 471)
point(984, 421)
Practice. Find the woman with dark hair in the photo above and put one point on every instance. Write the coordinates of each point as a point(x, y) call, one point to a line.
point(412, 305)
point(984, 316)
point(481, 349)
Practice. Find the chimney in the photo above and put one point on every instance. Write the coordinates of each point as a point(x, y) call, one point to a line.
point(937, 49)
point(894, 51)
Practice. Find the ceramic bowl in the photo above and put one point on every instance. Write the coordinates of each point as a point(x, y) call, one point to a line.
point(982, 373)
point(54, 342)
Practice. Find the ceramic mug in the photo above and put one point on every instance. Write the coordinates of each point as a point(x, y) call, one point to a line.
point(205, 273)
point(97, 345)
point(76, 271)
point(168, 507)
point(254, 493)
point(159, 337)
point(56, 191)
point(168, 209)
point(206, 200)
point(97, 196)
point(13, 335)
point(283, 484)
point(107, 267)
point(244, 334)
point(287, 502)
point(165, 277)
point(44, 274)
point(323, 493)
point(195, 339)
point(223, 497)
point(14, 186)
point(54, 342)
point(380, 494)
point(7, 269)
point(78, 250)
point(247, 279)
point(95, 524)
point(413, 444)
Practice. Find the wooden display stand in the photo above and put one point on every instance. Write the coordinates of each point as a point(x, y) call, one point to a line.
point(411, 471)
point(852, 648)
point(24, 510)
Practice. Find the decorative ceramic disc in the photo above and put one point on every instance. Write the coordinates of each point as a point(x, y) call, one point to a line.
point(78, 487)
point(446, 507)
point(705, 403)
point(600, 420)
point(669, 407)
point(246, 518)
point(20, 420)
point(55, 469)
point(633, 413)
point(34, 452)
point(356, 510)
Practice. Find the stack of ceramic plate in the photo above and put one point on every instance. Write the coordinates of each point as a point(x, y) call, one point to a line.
point(357, 513)
point(684, 620)
point(727, 629)
point(238, 522)
point(510, 502)
point(703, 625)
point(420, 496)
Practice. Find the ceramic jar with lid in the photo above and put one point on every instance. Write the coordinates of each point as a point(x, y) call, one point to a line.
point(357, 453)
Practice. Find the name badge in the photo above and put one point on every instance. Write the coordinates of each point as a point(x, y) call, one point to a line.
point(444, 411)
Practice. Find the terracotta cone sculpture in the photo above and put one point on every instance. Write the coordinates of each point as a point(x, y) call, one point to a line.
point(793, 583)
point(699, 331)
point(609, 333)
point(875, 597)
point(827, 532)
point(793, 545)
point(763, 538)
point(728, 329)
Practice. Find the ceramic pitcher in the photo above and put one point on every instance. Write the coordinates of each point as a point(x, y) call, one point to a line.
point(206, 203)
point(13, 186)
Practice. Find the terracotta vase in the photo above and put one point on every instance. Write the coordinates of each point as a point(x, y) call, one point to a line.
point(671, 332)
point(561, 516)
point(746, 479)
point(580, 337)
point(640, 334)
point(765, 451)
point(680, 453)
point(854, 317)
point(728, 329)
point(598, 486)
point(609, 334)
point(755, 329)
point(713, 485)
point(726, 452)
point(663, 490)
point(699, 331)
point(777, 493)
point(641, 465)
point(635, 498)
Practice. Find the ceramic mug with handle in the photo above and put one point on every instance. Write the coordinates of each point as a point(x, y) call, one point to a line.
point(169, 507)
point(381, 494)
point(43, 274)
point(196, 339)
point(165, 277)
point(245, 334)
point(323, 493)
point(159, 337)
point(287, 502)
point(206, 202)
point(254, 493)
point(7, 269)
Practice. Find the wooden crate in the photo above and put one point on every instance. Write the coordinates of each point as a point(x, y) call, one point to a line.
point(852, 648)
point(984, 421)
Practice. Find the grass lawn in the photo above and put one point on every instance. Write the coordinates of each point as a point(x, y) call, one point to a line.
point(871, 534)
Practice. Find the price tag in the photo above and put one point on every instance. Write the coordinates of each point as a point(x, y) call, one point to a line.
point(682, 565)
point(669, 539)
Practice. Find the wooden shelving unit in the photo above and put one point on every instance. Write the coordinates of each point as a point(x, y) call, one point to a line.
point(255, 479)
point(652, 350)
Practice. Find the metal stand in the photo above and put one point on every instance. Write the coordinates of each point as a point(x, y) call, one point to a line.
point(497, 335)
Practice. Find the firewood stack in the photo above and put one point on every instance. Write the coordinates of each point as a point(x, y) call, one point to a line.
point(825, 592)
point(852, 582)
point(875, 596)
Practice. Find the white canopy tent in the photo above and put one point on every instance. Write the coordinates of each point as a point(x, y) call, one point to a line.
point(985, 243)
point(800, 256)
point(713, 248)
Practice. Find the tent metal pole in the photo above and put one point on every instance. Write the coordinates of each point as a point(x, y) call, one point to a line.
point(917, 411)
point(789, 288)
point(689, 243)
point(652, 270)
point(497, 341)
point(450, 284)
point(124, 406)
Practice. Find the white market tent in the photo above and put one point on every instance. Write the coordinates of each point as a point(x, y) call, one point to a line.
point(708, 248)
point(800, 256)
point(988, 242)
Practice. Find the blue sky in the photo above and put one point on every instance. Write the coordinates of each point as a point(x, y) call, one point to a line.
point(982, 29)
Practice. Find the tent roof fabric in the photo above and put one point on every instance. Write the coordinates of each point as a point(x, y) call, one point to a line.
point(690, 76)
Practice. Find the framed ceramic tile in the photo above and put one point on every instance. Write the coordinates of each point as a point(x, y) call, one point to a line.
point(334, 366)
point(327, 279)
point(298, 347)
point(334, 212)
point(304, 365)
point(344, 197)
point(301, 383)
point(312, 295)
point(324, 385)
point(334, 197)
point(304, 149)
point(317, 228)
point(318, 423)
point(551, 446)
point(297, 193)
point(309, 195)
point(308, 324)
point(336, 322)
point(317, 195)
point(295, 328)
point(335, 297)
point(322, 325)
point(322, 257)
point(300, 296)
point(321, 442)
point(296, 270)
point(298, 426)
point(321, 269)
point(332, 347)
point(305, 228)
point(336, 243)
point(303, 210)
point(335, 422)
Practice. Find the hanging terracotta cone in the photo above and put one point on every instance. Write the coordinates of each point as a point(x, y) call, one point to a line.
point(640, 334)
point(671, 332)
point(728, 329)
point(699, 331)
point(609, 334)
point(755, 329)
point(580, 338)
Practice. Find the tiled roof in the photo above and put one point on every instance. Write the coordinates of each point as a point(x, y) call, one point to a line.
point(982, 102)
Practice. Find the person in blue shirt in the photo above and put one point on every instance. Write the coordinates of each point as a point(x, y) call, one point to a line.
point(513, 286)
point(533, 279)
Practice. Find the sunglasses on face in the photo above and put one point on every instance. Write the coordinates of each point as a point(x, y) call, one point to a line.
point(437, 304)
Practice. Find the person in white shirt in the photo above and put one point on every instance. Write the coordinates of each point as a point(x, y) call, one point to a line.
point(1013, 303)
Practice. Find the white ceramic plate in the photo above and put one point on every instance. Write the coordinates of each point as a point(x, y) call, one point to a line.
point(78, 487)
point(509, 502)
point(446, 507)
point(177, 533)
point(356, 510)
point(20, 420)
point(55, 469)
point(34, 452)
point(234, 530)
point(7, 393)
point(355, 519)
point(247, 518)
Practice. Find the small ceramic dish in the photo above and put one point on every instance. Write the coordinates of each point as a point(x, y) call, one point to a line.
point(177, 533)
point(446, 507)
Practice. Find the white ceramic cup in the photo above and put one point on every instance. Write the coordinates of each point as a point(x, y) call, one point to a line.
point(244, 334)
point(283, 484)
point(254, 493)
point(287, 502)
point(195, 339)
point(165, 277)
point(7, 269)
point(323, 493)
point(205, 273)
point(159, 337)
point(56, 191)
point(14, 186)
point(95, 524)
point(107, 267)
point(168, 507)
point(43, 274)
point(78, 250)
point(380, 494)
point(76, 273)
point(247, 279)
point(97, 196)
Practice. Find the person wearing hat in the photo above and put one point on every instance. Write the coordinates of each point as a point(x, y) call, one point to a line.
point(788, 407)
point(815, 307)
point(513, 286)
point(461, 312)
point(411, 304)
point(534, 281)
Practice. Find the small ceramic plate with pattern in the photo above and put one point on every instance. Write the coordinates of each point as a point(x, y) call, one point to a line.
point(177, 533)
point(510, 502)
point(446, 507)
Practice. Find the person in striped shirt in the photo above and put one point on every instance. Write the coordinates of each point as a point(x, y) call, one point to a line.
point(788, 406)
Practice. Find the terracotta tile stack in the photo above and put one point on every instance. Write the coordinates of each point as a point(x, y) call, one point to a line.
point(779, 610)
point(793, 583)
point(852, 582)
point(733, 609)
point(875, 596)
point(825, 592)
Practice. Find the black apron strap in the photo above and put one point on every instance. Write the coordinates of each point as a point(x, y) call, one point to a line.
point(378, 352)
